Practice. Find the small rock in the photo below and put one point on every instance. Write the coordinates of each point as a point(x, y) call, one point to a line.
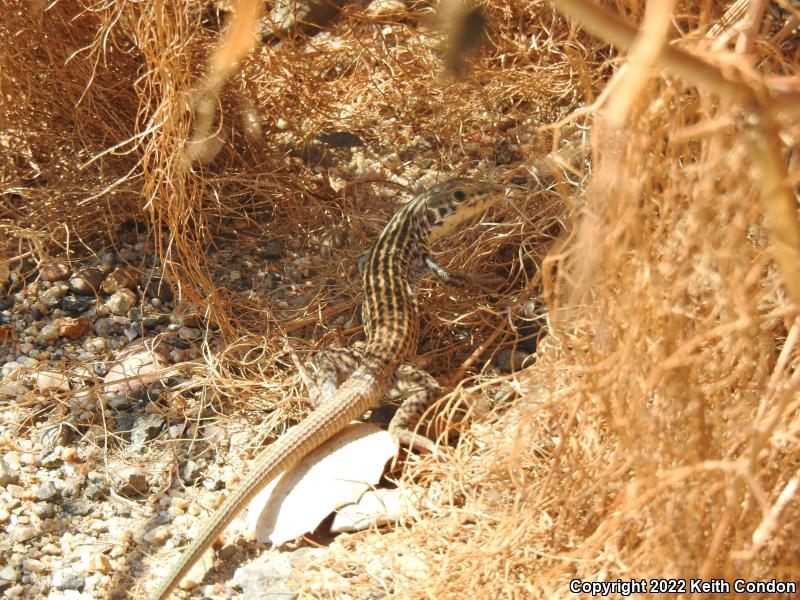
point(157, 535)
point(10, 370)
point(270, 576)
point(153, 321)
point(55, 294)
point(72, 486)
point(48, 492)
point(38, 311)
point(8, 575)
point(190, 472)
point(55, 271)
point(130, 482)
point(27, 361)
point(137, 362)
point(31, 565)
point(110, 326)
point(95, 491)
point(178, 356)
point(51, 380)
point(87, 281)
point(67, 579)
point(7, 474)
point(121, 302)
point(44, 510)
point(121, 278)
point(49, 333)
point(120, 402)
point(107, 261)
point(95, 345)
point(386, 8)
point(75, 305)
point(177, 342)
point(130, 334)
point(73, 329)
point(146, 428)
point(188, 334)
point(23, 533)
point(78, 507)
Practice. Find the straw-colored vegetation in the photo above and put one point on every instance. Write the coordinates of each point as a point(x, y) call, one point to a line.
point(658, 432)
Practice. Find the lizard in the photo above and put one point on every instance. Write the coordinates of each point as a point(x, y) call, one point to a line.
point(394, 266)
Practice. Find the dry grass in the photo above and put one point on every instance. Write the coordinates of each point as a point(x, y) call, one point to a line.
point(657, 433)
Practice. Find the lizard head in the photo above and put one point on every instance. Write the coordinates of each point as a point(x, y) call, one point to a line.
point(457, 200)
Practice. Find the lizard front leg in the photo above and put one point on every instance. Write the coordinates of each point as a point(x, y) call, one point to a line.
point(461, 281)
point(420, 390)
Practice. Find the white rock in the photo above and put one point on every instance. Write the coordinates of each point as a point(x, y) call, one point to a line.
point(51, 380)
point(23, 533)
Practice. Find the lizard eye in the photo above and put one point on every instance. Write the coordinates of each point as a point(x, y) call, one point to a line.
point(459, 196)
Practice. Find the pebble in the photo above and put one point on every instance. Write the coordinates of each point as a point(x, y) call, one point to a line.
point(188, 333)
point(51, 380)
point(71, 328)
point(130, 334)
point(10, 369)
point(139, 362)
point(95, 491)
point(190, 472)
point(87, 281)
point(48, 492)
point(44, 510)
point(95, 345)
point(49, 333)
point(75, 305)
point(8, 575)
point(55, 294)
point(121, 302)
point(67, 579)
point(55, 271)
point(157, 535)
point(121, 278)
point(130, 482)
point(110, 326)
point(22, 533)
point(385, 8)
point(31, 565)
point(7, 474)
point(178, 356)
point(27, 361)
point(141, 428)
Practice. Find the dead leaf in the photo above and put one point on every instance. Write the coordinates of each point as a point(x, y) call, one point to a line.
point(334, 475)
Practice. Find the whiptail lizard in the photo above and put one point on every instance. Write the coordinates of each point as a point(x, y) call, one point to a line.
point(395, 264)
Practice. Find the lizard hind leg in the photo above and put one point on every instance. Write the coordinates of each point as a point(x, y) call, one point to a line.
point(420, 390)
point(331, 367)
